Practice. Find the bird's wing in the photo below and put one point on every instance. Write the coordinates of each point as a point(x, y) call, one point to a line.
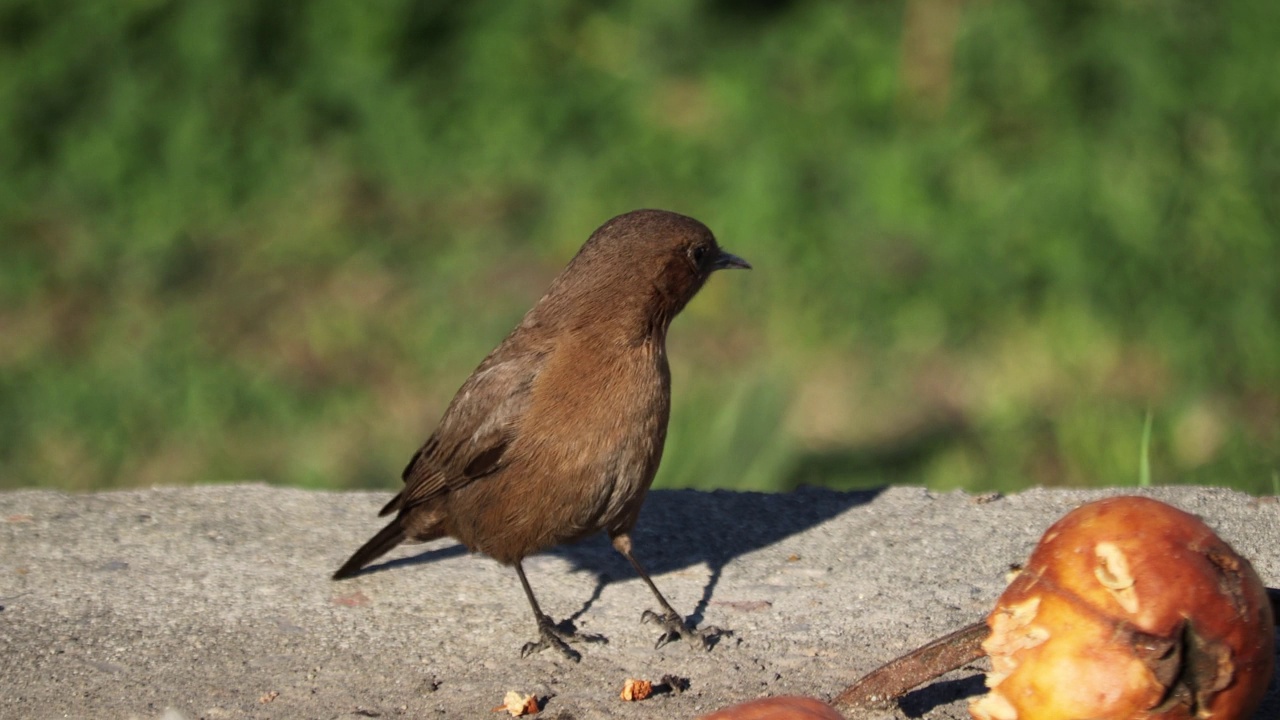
point(475, 432)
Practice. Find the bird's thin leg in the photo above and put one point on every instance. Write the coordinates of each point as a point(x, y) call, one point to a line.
point(670, 620)
point(551, 635)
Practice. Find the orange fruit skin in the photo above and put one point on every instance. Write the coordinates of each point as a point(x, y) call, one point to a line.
point(1105, 582)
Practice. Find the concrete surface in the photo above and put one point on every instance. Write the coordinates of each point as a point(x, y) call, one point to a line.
point(215, 602)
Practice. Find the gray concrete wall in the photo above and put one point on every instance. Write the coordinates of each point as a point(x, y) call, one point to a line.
point(215, 602)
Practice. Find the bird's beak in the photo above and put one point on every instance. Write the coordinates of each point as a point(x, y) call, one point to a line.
point(729, 261)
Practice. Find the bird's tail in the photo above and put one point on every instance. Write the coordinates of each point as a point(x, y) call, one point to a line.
point(387, 538)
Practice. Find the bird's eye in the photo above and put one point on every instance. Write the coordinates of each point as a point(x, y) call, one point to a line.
point(698, 252)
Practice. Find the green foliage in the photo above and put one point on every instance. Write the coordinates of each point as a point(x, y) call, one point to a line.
point(256, 240)
point(1144, 454)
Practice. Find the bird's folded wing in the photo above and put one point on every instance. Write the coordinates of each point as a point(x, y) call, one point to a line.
point(476, 430)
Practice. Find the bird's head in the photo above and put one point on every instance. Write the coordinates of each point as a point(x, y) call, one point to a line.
point(647, 262)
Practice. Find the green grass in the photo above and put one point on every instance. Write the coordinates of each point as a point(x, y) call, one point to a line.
point(1144, 454)
point(246, 240)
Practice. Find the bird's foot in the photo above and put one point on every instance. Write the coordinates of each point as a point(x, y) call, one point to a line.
point(676, 629)
point(559, 636)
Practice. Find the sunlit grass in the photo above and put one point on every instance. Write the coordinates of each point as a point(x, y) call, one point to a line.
point(1144, 454)
point(262, 241)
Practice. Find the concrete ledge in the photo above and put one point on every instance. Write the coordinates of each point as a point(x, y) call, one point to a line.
point(215, 602)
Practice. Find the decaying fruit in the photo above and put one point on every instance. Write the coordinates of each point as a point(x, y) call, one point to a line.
point(633, 689)
point(1129, 609)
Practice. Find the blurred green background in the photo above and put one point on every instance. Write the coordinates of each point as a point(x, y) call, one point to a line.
point(255, 240)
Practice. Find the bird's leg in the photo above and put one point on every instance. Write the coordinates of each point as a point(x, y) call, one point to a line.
point(670, 620)
point(551, 635)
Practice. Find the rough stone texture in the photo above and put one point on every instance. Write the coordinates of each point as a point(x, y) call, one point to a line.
point(215, 602)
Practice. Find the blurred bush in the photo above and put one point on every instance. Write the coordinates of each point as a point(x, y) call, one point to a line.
point(257, 240)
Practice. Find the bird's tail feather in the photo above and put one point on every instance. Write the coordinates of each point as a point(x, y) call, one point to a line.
point(387, 538)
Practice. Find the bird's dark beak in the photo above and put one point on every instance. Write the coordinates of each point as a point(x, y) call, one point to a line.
point(729, 261)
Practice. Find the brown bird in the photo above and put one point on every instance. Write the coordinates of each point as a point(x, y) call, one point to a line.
point(558, 434)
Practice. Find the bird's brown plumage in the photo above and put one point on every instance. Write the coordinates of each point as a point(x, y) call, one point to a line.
point(558, 433)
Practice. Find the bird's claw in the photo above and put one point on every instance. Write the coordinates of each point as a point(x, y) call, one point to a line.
point(551, 635)
point(676, 629)
point(531, 648)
